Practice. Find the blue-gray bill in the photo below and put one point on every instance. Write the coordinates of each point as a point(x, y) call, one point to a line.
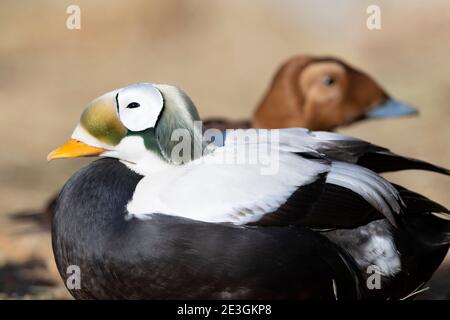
point(391, 109)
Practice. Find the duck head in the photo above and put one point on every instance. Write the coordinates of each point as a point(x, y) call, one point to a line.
point(134, 124)
point(322, 94)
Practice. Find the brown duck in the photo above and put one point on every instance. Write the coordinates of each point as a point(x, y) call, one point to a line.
point(319, 93)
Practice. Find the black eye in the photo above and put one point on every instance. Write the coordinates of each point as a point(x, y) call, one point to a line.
point(328, 81)
point(133, 105)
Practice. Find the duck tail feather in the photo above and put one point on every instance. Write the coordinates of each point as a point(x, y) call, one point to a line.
point(426, 219)
point(386, 161)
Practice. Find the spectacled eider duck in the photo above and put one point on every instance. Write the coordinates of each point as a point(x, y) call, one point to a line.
point(151, 222)
point(313, 92)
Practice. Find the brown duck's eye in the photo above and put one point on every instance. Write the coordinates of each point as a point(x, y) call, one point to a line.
point(328, 81)
point(133, 105)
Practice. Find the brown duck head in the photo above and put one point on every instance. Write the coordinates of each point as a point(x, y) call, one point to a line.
point(323, 93)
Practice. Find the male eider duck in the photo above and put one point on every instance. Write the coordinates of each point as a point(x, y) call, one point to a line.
point(313, 92)
point(173, 212)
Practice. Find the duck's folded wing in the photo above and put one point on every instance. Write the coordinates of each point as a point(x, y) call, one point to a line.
point(275, 177)
point(348, 189)
point(288, 183)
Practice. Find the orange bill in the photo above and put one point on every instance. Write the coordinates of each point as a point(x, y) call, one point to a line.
point(74, 148)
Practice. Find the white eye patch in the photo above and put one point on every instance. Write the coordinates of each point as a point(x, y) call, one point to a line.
point(139, 106)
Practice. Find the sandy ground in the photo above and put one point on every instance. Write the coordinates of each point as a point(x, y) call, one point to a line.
point(223, 54)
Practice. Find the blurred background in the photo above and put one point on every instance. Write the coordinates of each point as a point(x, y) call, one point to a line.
point(223, 53)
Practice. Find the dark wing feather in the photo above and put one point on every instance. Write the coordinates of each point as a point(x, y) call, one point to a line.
point(388, 161)
point(323, 205)
point(419, 221)
point(368, 155)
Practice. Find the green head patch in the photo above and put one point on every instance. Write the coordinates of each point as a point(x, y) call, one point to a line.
point(101, 120)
